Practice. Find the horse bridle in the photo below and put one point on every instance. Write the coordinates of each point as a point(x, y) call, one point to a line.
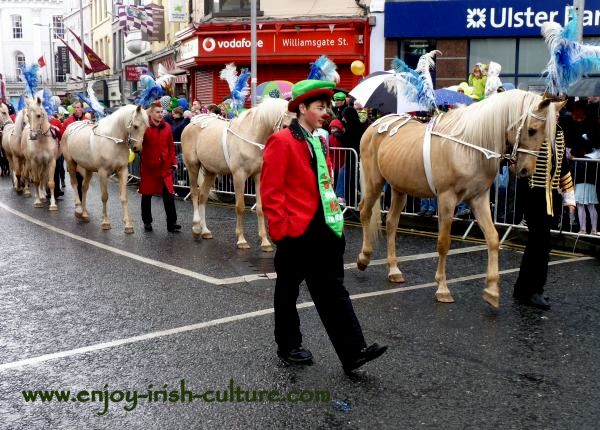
point(36, 132)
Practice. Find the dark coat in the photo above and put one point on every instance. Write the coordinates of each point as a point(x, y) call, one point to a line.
point(158, 159)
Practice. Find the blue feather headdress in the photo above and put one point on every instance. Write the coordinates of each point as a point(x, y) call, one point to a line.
point(21, 104)
point(30, 74)
point(569, 60)
point(323, 70)
point(93, 102)
point(149, 95)
point(48, 102)
point(415, 85)
point(238, 85)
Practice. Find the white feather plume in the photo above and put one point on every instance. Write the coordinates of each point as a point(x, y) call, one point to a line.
point(95, 104)
point(229, 74)
point(164, 78)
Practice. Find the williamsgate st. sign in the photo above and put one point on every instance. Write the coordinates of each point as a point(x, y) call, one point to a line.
point(491, 18)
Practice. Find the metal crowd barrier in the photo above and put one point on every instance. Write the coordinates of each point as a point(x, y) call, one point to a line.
point(507, 208)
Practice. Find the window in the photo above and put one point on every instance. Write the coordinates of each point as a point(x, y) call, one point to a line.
point(58, 29)
point(17, 27)
point(230, 7)
point(19, 63)
point(412, 49)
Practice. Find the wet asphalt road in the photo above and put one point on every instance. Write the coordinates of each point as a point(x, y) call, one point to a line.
point(448, 366)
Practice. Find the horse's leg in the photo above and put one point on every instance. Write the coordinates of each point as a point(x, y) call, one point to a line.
point(123, 175)
point(17, 174)
point(197, 224)
point(87, 177)
point(446, 205)
point(371, 194)
point(103, 174)
point(265, 245)
point(51, 169)
point(391, 225)
point(71, 168)
point(25, 176)
point(239, 181)
point(480, 206)
point(37, 180)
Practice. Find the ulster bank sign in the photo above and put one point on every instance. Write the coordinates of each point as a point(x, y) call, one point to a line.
point(468, 18)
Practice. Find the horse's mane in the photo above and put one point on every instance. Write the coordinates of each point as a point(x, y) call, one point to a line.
point(122, 115)
point(266, 114)
point(485, 123)
point(19, 120)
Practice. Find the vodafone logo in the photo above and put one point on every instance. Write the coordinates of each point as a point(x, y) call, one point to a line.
point(209, 44)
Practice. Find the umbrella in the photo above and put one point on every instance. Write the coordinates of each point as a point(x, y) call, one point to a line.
point(275, 89)
point(586, 87)
point(444, 96)
point(372, 92)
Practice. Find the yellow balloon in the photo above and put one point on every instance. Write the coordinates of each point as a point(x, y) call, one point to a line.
point(357, 67)
point(131, 156)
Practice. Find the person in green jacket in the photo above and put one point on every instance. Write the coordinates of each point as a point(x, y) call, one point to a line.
point(477, 80)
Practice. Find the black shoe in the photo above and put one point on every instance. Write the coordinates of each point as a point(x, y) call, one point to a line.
point(174, 228)
point(535, 301)
point(370, 353)
point(298, 355)
point(148, 227)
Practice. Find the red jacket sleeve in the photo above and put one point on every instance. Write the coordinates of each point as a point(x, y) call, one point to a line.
point(276, 157)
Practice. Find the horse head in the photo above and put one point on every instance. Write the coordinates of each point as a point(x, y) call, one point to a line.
point(4, 116)
point(526, 136)
point(38, 119)
point(136, 128)
point(274, 113)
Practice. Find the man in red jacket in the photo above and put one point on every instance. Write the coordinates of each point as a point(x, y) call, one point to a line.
point(306, 223)
point(158, 163)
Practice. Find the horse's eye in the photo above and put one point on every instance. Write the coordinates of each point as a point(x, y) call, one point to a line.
point(135, 127)
point(38, 115)
point(532, 131)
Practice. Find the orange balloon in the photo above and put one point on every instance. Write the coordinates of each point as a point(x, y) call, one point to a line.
point(357, 67)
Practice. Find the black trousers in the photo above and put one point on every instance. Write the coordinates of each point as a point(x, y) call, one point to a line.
point(534, 265)
point(317, 257)
point(168, 201)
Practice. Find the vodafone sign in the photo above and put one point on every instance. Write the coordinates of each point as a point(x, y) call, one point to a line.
point(283, 43)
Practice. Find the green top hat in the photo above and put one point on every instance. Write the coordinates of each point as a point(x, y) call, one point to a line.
point(308, 89)
point(339, 96)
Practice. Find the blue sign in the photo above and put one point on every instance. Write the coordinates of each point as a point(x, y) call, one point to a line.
point(491, 18)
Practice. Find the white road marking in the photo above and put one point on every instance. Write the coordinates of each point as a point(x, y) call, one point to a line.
point(200, 276)
point(240, 317)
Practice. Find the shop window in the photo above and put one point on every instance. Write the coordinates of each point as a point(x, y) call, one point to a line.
point(502, 51)
point(17, 27)
point(19, 63)
point(412, 49)
point(230, 7)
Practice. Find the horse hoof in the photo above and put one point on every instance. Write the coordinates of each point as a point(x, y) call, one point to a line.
point(85, 218)
point(444, 297)
point(105, 226)
point(243, 245)
point(492, 299)
point(361, 266)
point(209, 236)
point(78, 214)
point(396, 278)
point(53, 208)
point(267, 248)
point(27, 194)
point(128, 230)
point(38, 205)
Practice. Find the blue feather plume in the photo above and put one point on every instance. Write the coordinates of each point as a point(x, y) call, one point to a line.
point(149, 95)
point(240, 90)
point(323, 69)
point(569, 60)
point(48, 103)
point(415, 85)
point(30, 74)
point(21, 104)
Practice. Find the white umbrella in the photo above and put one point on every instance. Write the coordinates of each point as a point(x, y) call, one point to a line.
point(379, 91)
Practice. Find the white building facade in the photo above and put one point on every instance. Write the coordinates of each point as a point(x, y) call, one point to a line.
point(72, 20)
point(28, 31)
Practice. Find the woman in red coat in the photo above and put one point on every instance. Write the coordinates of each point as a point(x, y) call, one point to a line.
point(158, 163)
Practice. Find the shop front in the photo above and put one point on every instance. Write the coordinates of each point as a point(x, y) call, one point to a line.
point(470, 32)
point(284, 49)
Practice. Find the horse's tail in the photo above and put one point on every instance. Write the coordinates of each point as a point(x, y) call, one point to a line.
point(373, 230)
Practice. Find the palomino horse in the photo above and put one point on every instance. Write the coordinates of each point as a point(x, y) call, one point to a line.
point(212, 145)
point(5, 120)
point(41, 152)
point(104, 148)
point(12, 147)
point(456, 158)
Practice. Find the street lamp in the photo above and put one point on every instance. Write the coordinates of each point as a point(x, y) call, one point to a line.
point(51, 51)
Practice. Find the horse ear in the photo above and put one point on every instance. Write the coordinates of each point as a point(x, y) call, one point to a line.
point(559, 105)
point(544, 104)
point(38, 100)
point(139, 108)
